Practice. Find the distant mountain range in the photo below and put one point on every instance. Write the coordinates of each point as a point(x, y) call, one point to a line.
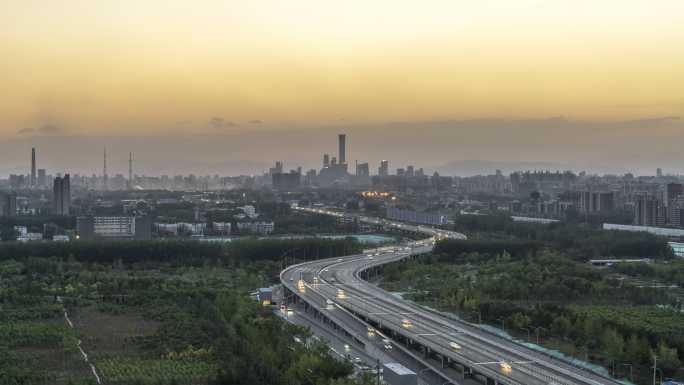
point(487, 167)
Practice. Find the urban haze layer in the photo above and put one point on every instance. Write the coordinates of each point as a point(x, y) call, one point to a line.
point(341, 274)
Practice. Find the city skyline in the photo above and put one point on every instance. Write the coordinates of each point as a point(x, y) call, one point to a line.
point(444, 147)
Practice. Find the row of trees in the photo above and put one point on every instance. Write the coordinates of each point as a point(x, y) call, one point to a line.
point(180, 251)
point(577, 241)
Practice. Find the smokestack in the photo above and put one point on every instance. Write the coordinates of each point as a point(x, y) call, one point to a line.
point(33, 166)
point(130, 170)
point(342, 139)
point(104, 170)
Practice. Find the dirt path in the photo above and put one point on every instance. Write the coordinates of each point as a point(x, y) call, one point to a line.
point(83, 353)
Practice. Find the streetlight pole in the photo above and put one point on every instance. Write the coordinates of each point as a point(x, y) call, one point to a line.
point(631, 372)
point(655, 367)
point(479, 316)
point(537, 330)
point(377, 371)
point(528, 334)
point(661, 375)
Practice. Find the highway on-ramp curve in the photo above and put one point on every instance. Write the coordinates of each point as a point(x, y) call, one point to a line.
point(335, 286)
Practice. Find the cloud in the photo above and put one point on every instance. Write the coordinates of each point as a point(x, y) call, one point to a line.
point(651, 121)
point(255, 121)
point(220, 123)
point(49, 129)
point(45, 129)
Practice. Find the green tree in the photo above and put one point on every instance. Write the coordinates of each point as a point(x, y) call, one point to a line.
point(520, 320)
point(637, 350)
point(561, 326)
point(612, 344)
point(667, 357)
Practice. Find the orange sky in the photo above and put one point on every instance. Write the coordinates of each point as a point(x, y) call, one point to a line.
point(163, 66)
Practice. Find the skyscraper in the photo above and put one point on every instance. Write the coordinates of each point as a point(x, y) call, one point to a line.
point(61, 190)
point(649, 211)
point(42, 178)
point(595, 201)
point(342, 142)
point(673, 190)
point(383, 170)
point(8, 204)
point(33, 167)
point(362, 169)
point(326, 160)
point(278, 169)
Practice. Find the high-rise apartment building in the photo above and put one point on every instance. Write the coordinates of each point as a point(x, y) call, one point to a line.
point(675, 210)
point(42, 178)
point(383, 170)
point(286, 181)
point(673, 190)
point(61, 188)
point(8, 204)
point(278, 169)
point(362, 169)
point(649, 211)
point(595, 201)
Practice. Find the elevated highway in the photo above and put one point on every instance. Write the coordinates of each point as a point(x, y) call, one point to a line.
point(335, 288)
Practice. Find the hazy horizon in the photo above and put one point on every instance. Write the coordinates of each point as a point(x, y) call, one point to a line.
point(449, 147)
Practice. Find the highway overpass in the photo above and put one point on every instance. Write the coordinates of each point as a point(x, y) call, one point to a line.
point(335, 289)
